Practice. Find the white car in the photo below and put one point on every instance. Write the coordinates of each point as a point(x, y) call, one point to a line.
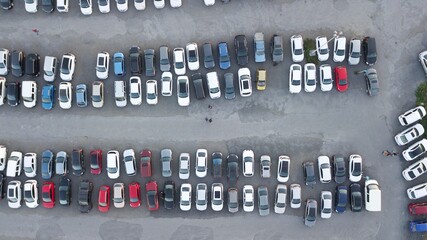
point(31, 196)
point(209, 2)
point(102, 65)
point(119, 195)
point(245, 82)
point(104, 6)
point(151, 94)
point(283, 168)
point(201, 196)
point(176, 3)
point(354, 51)
point(86, 7)
point(339, 49)
point(97, 94)
point(295, 196)
point(297, 48)
point(248, 163)
point(280, 199)
point(184, 166)
point(2, 90)
point(295, 78)
point(185, 197)
point(325, 75)
point(325, 173)
point(50, 68)
point(183, 91)
point(129, 162)
point(415, 150)
point(159, 4)
point(4, 62)
point(248, 198)
point(122, 5)
point(410, 134)
point(322, 48)
point(14, 195)
point(309, 77)
point(3, 156)
point(65, 95)
point(113, 164)
point(68, 65)
point(31, 6)
point(179, 61)
point(412, 115)
point(355, 168)
point(167, 84)
point(325, 204)
point(415, 170)
point(29, 93)
point(417, 191)
point(14, 164)
point(62, 5)
point(120, 93)
point(213, 85)
point(201, 163)
point(192, 56)
point(30, 164)
point(139, 4)
point(135, 93)
point(217, 199)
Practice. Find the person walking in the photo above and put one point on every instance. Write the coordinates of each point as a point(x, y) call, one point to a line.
point(386, 153)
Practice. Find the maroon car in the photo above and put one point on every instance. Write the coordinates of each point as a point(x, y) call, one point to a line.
point(152, 196)
point(96, 161)
point(145, 163)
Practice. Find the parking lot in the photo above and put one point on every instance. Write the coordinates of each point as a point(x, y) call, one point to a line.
point(273, 122)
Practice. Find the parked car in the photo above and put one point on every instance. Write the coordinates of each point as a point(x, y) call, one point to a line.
point(417, 191)
point(184, 166)
point(248, 162)
point(339, 169)
point(47, 163)
point(199, 88)
point(217, 165)
point(169, 195)
point(122, 5)
point(30, 164)
point(85, 196)
point(3, 157)
point(259, 47)
point(415, 170)
point(309, 175)
point(297, 48)
point(208, 57)
point(6, 4)
point(185, 197)
point(119, 64)
point(139, 4)
point(325, 173)
point(14, 164)
point(31, 196)
point(179, 61)
point(134, 195)
point(81, 95)
point(61, 163)
point(3, 95)
point(183, 91)
point(48, 194)
point(29, 93)
point(355, 168)
point(422, 57)
point(241, 47)
point(48, 96)
point(135, 57)
point(68, 65)
point(166, 159)
point(412, 115)
point(232, 169)
point(310, 213)
point(32, 64)
point(265, 166)
point(229, 86)
point(102, 63)
point(322, 48)
point(201, 163)
point(280, 199)
point(192, 56)
point(213, 85)
point(261, 79)
point(233, 200)
point(372, 84)
point(325, 75)
point(245, 82)
point(356, 197)
point(135, 92)
point(64, 190)
point(167, 83)
point(417, 208)
point(325, 204)
point(150, 62)
point(415, 150)
point(104, 198)
point(50, 66)
point(341, 199)
point(418, 226)
point(96, 161)
point(152, 195)
point(13, 93)
point(151, 94)
point(409, 134)
point(145, 166)
point(159, 4)
point(295, 78)
point(62, 5)
point(85, 7)
point(354, 51)
point(339, 48)
point(77, 162)
point(201, 196)
point(295, 195)
point(224, 56)
point(217, 198)
point(129, 162)
point(283, 168)
point(97, 94)
point(310, 77)
point(263, 205)
point(164, 58)
point(119, 199)
point(18, 63)
point(176, 3)
point(248, 198)
point(65, 96)
point(104, 6)
point(341, 80)
point(370, 50)
point(113, 164)
point(14, 194)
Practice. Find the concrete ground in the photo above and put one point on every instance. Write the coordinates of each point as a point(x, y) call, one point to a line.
point(273, 122)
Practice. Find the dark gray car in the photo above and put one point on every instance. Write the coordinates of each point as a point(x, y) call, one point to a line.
point(150, 62)
point(233, 200)
point(198, 85)
point(372, 84)
point(164, 61)
point(166, 159)
point(310, 178)
point(276, 46)
point(135, 60)
point(263, 205)
point(339, 169)
point(229, 86)
point(310, 213)
point(208, 58)
point(81, 95)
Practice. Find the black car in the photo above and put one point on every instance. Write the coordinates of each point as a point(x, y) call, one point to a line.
point(6, 4)
point(32, 65)
point(13, 94)
point(339, 169)
point(169, 195)
point(198, 85)
point(18, 61)
point(2, 186)
point(356, 197)
point(208, 57)
point(48, 6)
point(370, 50)
point(232, 168)
point(85, 196)
point(135, 60)
point(241, 47)
point(78, 162)
point(341, 199)
point(310, 178)
point(217, 164)
point(150, 62)
point(64, 191)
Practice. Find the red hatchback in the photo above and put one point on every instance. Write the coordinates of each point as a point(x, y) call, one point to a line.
point(145, 163)
point(104, 199)
point(134, 195)
point(417, 208)
point(96, 161)
point(48, 194)
point(152, 196)
point(341, 80)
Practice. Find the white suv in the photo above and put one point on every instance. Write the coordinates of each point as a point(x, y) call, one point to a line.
point(213, 85)
point(248, 163)
point(102, 65)
point(68, 65)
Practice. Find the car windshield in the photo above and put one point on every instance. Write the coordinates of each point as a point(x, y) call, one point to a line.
point(355, 54)
point(311, 82)
point(134, 199)
point(169, 194)
point(417, 151)
point(151, 198)
point(112, 170)
point(183, 90)
point(96, 98)
point(340, 52)
point(94, 161)
point(28, 196)
point(11, 195)
point(46, 197)
point(65, 64)
point(327, 210)
point(284, 170)
point(214, 90)
point(192, 56)
point(342, 82)
point(311, 214)
point(357, 169)
point(327, 80)
point(179, 65)
point(63, 95)
point(84, 3)
point(28, 169)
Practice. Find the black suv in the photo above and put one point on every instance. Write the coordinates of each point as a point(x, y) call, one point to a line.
point(85, 196)
point(18, 61)
point(78, 162)
point(241, 46)
point(198, 85)
point(135, 60)
point(13, 94)
point(32, 65)
point(370, 50)
point(65, 191)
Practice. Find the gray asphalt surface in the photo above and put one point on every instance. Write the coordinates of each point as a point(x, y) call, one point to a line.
point(273, 122)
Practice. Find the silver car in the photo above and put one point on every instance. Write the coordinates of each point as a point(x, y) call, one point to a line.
point(263, 206)
point(166, 159)
point(310, 213)
point(81, 95)
point(164, 59)
point(201, 196)
point(233, 200)
point(61, 161)
point(265, 162)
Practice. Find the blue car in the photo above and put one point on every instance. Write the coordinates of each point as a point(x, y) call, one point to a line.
point(48, 96)
point(224, 56)
point(47, 164)
point(341, 199)
point(418, 226)
point(119, 64)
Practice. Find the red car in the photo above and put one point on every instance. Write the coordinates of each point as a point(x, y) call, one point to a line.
point(134, 195)
point(145, 163)
point(341, 80)
point(48, 194)
point(152, 196)
point(96, 161)
point(104, 199)
point(418, 208)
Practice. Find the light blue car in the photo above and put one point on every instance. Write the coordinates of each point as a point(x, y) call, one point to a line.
point(81, 95)
point(48, 98)
point(119, 64)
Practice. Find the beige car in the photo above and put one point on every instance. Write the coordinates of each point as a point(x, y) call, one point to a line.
point(97, 94)
point(119, 195)
point(261, 79)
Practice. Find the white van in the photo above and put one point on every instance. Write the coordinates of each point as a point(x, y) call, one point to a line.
point(49, 68)
point(372, 196)
point(3, 156)
point(14, 164)
point(2, 90)
point(213, 85)
point(120, 93)
point(29, 93)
